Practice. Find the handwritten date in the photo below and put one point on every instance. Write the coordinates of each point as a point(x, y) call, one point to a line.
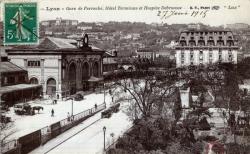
point(172, 13)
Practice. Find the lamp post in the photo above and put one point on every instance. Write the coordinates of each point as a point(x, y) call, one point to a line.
point(104, 130)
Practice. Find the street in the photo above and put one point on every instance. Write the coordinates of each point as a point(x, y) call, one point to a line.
point(88, 139)
point(25, 124)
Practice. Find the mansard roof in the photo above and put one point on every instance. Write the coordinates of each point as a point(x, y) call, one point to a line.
point(207, 38)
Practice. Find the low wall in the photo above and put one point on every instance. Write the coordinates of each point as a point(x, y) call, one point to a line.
point(29, 142)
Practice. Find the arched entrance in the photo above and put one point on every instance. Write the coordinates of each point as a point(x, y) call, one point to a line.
point(33, 80)
point(85, 71)
point(85, 76)
point(96, 69)
point(72, 78)
point(51, 87)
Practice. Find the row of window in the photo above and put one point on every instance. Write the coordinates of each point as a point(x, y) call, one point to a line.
point(209, 43)
point(206, 33)
point(34, 63)
point(230, 56)
point(210, 38)
point(210, 52)
point(201, 56)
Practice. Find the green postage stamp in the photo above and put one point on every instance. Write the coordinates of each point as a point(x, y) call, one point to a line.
point(20, 23)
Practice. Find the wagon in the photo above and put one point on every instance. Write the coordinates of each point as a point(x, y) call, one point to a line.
point(107, 113)
point(23, 108)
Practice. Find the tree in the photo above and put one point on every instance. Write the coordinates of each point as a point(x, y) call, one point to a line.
point(243, 68)
point(6, 130)
point(177, 106)
point(225, 85)
point(223, 82)
point(147, 92)
point(203, 124)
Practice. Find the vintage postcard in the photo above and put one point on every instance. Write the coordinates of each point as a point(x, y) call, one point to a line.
point(124, 76)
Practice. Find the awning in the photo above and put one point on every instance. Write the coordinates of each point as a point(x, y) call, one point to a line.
point(108, 73)
point(94, 79)
point(18, 87)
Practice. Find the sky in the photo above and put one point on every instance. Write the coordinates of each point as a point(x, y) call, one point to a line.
point(230, 11)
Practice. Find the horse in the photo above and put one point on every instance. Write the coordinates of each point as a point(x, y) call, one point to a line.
point(38, 108)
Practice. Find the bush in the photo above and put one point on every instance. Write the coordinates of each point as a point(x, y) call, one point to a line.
point(147, 135)
point(203, 124)
point(236, 148)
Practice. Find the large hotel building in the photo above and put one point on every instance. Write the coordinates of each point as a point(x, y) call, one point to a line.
point(205, 47)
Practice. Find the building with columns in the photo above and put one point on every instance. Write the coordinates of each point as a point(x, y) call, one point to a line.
point(61, 66)
point(196, 47)
point(146, 53)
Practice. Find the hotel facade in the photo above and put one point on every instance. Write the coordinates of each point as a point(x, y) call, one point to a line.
point(205, 47)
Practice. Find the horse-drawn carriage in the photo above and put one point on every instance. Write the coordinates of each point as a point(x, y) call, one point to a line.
point(25, 108)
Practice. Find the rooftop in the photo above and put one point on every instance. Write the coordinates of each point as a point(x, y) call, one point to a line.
point(205, 30)
point(52, 43)
point(9, 67)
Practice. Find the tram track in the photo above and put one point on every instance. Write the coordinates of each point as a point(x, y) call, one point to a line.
point(54, 147)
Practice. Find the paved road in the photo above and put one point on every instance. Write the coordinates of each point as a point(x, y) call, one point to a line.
point(87, 139)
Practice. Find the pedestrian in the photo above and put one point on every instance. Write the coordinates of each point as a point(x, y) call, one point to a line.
point(52, 113)
point(68, 117)
point(41, 96)
point(112, 99)
point(95, 107)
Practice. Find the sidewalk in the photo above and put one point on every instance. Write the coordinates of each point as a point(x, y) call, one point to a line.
point(25, 124)
point(66, 135)
point(87, 137)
